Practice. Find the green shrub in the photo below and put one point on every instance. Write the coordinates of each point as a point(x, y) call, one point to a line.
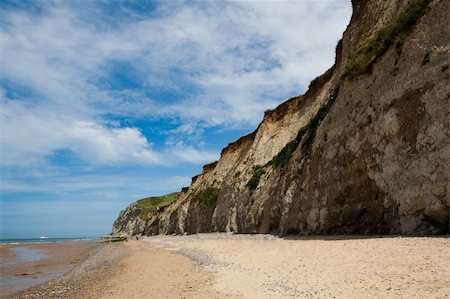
point(258, 171)
point(444, 67)
point(150, 205)
point(207, 196)
point(315, 122)
point(283, 157)
point(395, 33)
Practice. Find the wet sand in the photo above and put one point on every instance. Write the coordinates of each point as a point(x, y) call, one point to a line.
point(25, 265)
point(259, 266)
point(130, 269)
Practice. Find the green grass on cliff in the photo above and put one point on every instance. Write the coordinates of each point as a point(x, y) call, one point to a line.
point(150, 205)
point(283, 157)
point(392, 34)
point(306, 135)
point(207, 196)
point(258, 172)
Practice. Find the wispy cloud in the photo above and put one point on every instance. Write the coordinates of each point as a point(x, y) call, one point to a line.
point(136, 185)
point(211, 63)
point(121, 99)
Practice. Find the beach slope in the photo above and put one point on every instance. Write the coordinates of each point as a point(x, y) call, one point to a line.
point(259, 266)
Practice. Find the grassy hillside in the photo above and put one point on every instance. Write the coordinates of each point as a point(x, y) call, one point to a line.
point(150, 205)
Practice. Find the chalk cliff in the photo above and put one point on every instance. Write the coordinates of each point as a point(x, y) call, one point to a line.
point(365, 150)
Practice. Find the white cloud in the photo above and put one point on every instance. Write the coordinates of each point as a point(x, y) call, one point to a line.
point(224, 63)
point(98, 144)
point(30, 134)
point(182, 152)
point(35, 135)
point(132, 184)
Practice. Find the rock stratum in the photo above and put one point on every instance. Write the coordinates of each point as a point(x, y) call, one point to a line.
point(364, 151)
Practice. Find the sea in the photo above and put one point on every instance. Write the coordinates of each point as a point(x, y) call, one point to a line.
point(45, 240)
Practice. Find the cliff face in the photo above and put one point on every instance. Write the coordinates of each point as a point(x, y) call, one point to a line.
point(365, 150)
point(129, 223)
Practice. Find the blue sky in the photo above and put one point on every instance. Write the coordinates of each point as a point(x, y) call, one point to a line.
point(106, 102)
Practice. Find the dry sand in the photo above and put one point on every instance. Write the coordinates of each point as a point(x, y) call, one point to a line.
point(149, 272)
point(320, 267)
point(259, 266)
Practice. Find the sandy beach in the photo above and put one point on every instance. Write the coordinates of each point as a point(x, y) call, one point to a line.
point(258, 266)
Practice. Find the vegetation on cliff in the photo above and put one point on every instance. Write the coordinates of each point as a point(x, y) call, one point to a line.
point(283, 157)
point(258, 171)
point(392, 34)
point(208, 195)
point(150, 205)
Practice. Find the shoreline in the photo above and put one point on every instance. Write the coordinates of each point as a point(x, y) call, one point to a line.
point(36, 241)
point(25, 265)
point(122, 270)
point(221, 265)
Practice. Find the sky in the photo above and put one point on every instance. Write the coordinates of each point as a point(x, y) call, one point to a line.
point(106, 102)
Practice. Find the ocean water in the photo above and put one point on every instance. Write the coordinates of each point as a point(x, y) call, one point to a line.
point(47, 240)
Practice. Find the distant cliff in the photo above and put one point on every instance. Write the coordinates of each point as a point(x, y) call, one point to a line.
point(133, 219)
point(365, 150)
